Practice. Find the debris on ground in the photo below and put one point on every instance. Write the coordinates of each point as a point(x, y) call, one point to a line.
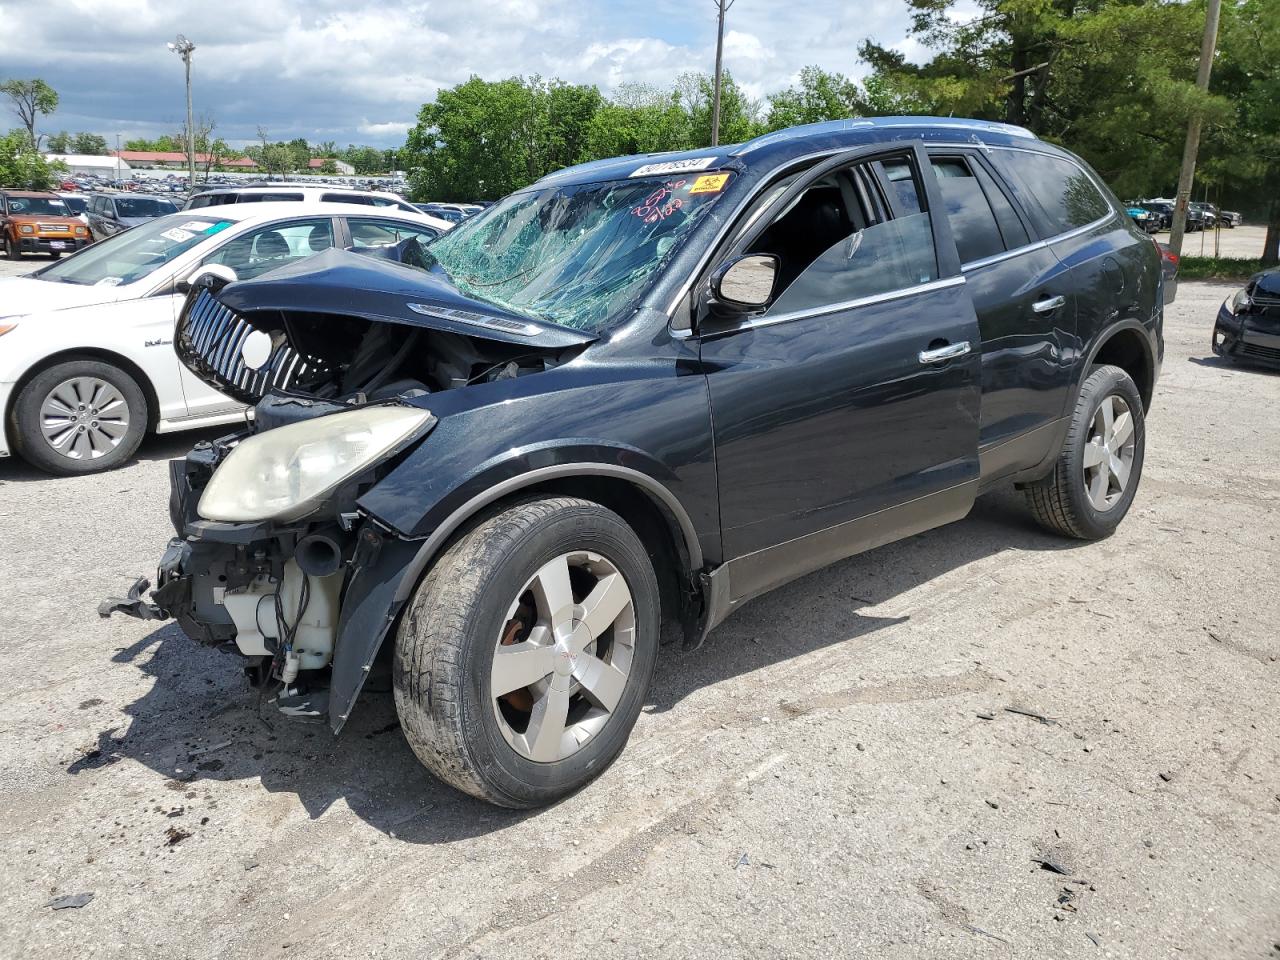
point(983, 715)
point(993, 805)
point(1051, 865)
point(743, 861)
point(986, 933)
point(1166, 776)
point(175, 836)
point(1097, 940)
point(1030, 713)
point(69, 901)
point(203, 750)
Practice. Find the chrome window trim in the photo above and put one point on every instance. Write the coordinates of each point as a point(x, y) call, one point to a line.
point(768, 321)
point(1038, 245)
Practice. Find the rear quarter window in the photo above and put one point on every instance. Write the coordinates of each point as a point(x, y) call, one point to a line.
point(1057, 195)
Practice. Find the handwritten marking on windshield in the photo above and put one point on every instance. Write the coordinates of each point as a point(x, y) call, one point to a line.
point(660, 204)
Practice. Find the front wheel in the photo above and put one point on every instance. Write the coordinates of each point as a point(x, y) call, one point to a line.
point(11, 252)
point(1096, 475)
point(79, 416)
point(526, 653)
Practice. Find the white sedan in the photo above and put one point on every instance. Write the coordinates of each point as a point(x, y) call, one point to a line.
point(87, 365)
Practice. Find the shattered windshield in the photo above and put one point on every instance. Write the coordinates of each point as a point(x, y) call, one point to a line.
point(575, 255)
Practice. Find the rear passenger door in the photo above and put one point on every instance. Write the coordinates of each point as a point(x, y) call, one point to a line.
point(1025, 300)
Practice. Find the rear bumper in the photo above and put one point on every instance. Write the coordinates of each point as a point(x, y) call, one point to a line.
point(1247, 337)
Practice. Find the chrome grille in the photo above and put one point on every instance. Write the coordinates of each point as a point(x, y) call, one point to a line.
point(53, 227)
point(209, 338)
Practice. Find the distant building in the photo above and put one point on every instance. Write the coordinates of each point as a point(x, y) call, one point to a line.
point(178, 160)
point(341, 166)
point(83, 164)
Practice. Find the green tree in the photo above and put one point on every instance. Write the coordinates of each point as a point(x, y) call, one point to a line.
point(639, 119)
point(328, 168)
point(21, 165)
point(89, 143)
point(31, 99)
point(739, 114)
point(1247, 76)
point(819, 96)
point(1111, 79)
point(482, 139)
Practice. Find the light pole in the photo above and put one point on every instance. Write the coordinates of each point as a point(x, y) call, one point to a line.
point(183, 47)
point(722, 7)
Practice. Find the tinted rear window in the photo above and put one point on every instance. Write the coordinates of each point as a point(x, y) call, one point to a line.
point(973, 224)
point(1057, 194)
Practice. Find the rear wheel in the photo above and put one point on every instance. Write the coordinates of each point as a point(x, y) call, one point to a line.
point(525, 656)
point(79, 416)
point(1096, 475)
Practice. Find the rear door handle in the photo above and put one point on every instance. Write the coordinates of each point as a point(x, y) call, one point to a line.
point(943, 354)
point(1048, 305)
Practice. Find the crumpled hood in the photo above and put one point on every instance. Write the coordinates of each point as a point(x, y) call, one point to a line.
point(351, 284)
point(23, 295)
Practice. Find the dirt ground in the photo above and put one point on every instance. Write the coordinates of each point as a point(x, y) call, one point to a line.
point(838, 772)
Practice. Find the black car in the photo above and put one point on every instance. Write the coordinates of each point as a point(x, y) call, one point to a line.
point(110, 214)
point(622, 402)
point(1248, 325)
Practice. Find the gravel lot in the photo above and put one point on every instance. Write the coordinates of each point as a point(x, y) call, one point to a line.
point(835, 773)
point(1243, 242)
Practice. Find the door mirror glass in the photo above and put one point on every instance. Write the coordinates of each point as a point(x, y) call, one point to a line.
point(747, 282)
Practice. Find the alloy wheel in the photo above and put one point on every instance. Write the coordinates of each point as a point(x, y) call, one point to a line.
point(84, 418)
point(562, 661)
point(1108, 453)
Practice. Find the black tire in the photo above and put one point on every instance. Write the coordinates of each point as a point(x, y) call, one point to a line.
point(447, 640)
point(54, 254)
point(1059, 501)
point(10, 251)
point(25, 419)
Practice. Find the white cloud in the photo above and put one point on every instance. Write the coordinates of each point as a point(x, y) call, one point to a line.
point(351, 70)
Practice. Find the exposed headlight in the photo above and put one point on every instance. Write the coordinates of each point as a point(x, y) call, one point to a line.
point(81, 231)
point(1240, 301)
point(286, 473)
point(26, 228)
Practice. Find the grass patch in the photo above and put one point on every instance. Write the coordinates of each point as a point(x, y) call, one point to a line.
point(1217, 268)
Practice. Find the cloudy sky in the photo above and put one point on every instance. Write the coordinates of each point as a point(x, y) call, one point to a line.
point(356, 71)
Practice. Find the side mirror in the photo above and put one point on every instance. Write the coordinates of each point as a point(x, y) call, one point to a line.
point(215, 276)
point(745, 284)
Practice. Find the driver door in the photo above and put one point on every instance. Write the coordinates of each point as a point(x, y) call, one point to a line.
point(846, 412)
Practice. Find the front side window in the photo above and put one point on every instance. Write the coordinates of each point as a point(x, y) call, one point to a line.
point(266, 248)
point(136, 253)
point(839, 241)
point(577, 254)
point(1055, 192)
point(368, 234)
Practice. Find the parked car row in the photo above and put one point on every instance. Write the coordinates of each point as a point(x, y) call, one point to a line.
point(1156, 215)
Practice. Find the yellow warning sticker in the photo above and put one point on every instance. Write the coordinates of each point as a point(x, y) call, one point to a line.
point(709, 183)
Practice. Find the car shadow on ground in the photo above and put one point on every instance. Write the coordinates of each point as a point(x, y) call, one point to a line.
point(1242, 364)
point(155, 447)
point(201, 721)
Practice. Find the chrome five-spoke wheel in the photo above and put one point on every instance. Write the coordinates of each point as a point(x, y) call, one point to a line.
point(1108, 453)
point(562, 659)
point(84, 418)
point(525, 657)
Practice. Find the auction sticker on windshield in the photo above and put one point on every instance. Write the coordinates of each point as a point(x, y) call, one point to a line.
point(672, 166)
point(177, 235)
point(196, 226)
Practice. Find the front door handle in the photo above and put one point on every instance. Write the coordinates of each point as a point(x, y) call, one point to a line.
point(1048, 305)
point(943, 354)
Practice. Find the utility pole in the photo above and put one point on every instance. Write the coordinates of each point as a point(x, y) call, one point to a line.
point(1192, 147)
point(722, 7)
point(183, 47)
point(118, 177)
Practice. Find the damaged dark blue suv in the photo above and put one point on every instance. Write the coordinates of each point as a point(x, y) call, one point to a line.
point(622, 402)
